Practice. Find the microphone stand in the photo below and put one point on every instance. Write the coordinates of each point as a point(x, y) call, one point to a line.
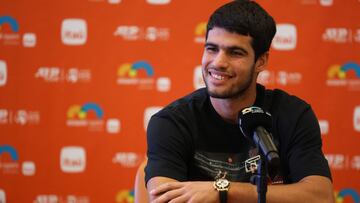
point(260, 178)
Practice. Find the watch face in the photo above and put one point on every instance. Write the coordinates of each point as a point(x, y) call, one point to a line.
point(222, 184)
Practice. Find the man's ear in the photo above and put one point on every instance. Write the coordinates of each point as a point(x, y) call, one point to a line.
point(261, 62)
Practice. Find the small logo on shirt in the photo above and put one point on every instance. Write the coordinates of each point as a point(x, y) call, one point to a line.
point(251, 165)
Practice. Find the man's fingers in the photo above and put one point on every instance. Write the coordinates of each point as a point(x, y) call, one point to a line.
point(166, 187)
point(180, 199)
point(168, 196)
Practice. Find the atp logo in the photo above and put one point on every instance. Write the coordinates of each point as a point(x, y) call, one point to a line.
point(131, 70)
point(89, 115)
point(347, 194)
point(200, 32)
point(125, 196)
point(10, 21)
point(346, 75)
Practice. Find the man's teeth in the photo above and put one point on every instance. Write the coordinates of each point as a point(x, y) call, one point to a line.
point(218, 77)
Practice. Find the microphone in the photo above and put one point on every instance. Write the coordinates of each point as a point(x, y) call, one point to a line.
point(255, 124)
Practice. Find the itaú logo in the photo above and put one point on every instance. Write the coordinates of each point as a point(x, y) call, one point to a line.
point(198, 78)
point(3, 73)
point(74, 31)
point(2, 196)
point(357, 119)
point(150, 111)
point(285, 38)
point(72, 159)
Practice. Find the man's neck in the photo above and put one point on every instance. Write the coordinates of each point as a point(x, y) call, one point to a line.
point(229, 108)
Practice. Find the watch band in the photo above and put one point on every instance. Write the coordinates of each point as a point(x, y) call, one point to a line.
point(223, 196)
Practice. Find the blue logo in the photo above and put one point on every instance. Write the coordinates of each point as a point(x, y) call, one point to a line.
point(131, 70)
point(10, 150)
point(82, 111)
point(11, 21)
point(338, 71)
point(351, 66)
point(348, 192)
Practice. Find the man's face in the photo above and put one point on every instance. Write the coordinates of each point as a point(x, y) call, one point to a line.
point(228, 65)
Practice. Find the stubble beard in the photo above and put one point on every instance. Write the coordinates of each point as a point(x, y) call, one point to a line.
point(234, 92)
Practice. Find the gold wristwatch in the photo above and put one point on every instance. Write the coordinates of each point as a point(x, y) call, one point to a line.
point(222, 185)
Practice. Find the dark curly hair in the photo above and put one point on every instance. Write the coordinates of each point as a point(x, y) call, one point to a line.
point(246, 18)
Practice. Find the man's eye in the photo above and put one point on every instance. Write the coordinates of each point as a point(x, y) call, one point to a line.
point(211, 49)
point(236, 53)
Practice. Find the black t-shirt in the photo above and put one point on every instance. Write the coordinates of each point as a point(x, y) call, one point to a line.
point(189, 141)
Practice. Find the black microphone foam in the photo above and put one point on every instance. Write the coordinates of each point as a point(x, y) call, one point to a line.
point(256, 124)
point(252, 117)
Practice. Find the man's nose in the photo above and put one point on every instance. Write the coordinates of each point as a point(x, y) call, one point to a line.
point(220, 60)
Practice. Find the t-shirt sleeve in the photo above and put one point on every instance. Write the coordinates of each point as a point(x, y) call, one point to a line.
point(305, 156)
point(167, 149)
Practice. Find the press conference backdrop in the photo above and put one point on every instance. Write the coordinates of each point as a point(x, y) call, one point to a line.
point(79, 81)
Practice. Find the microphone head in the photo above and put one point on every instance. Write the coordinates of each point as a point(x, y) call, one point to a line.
point(251, 117)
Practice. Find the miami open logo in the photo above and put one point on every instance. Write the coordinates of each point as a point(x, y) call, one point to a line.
point(125, 196)
point(346, 75)
point(88, 115)
point(9, 160)
point(9, 36)
point(347, 194)
point(141, 74)
point(9, 33)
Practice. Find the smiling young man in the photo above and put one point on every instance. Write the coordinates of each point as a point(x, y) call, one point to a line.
point(196, 151)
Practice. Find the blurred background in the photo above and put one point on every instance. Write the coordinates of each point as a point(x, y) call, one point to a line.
point(80, 79)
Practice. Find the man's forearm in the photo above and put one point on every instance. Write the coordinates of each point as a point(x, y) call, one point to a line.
point(311, 189)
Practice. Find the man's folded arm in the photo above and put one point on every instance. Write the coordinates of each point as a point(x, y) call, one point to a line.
point(314, 189)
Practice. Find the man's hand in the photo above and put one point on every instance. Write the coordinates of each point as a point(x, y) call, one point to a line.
point(185, 192)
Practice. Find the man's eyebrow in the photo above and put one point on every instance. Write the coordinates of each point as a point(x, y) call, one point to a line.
point(235, 48)
point(230, 48)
